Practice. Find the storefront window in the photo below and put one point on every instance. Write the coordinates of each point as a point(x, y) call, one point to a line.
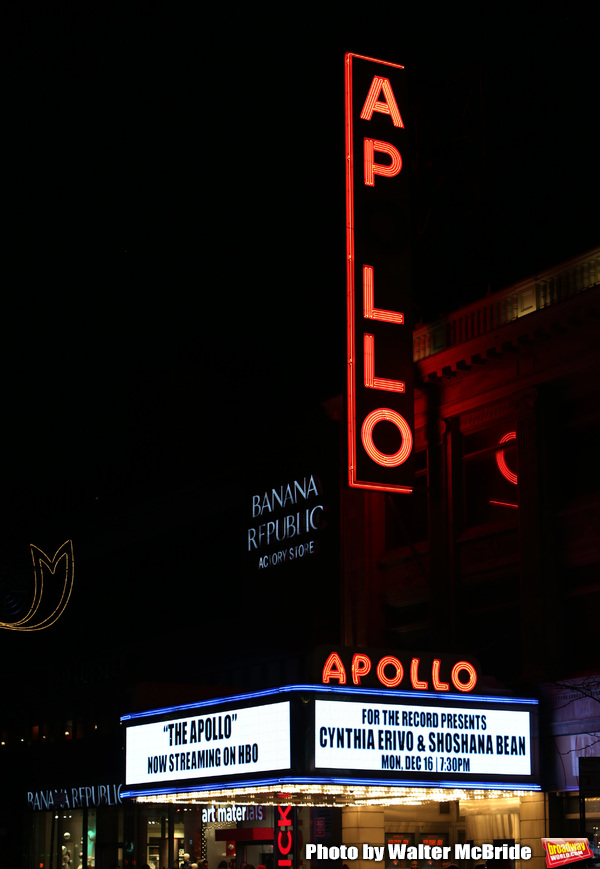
point(64, 839)
point(157, 838)
point(233, 834)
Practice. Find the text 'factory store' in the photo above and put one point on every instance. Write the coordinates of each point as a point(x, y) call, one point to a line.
point(385, 751)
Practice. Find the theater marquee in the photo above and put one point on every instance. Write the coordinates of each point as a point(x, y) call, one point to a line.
point(239, 740)
point(379, 343)
point(312, 742)
point(414, 739)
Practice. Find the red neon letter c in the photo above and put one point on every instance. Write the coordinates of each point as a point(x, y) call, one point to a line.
point(501, 461)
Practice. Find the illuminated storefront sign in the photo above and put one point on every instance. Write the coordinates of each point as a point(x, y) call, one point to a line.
point(414, 739)
point(85, 797)
point(243, 740)
point(283, 839)
point(376, 668)
point(318, 736)
point(233, 814)
point(379, 345)
point(286, 520)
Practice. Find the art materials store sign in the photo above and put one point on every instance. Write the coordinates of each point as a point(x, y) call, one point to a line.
point(283, 740)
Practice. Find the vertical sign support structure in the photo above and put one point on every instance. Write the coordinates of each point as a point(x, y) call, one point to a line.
point(380, 403)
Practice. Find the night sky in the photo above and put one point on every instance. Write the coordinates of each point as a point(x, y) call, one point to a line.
point(174, 285)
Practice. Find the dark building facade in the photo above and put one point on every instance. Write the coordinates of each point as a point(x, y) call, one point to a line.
point(494, 556)
point(497, 552)
point(499, 537)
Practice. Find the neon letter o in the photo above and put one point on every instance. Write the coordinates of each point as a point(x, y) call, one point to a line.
point(464, 686)
point(366, 435)
point(390, 683)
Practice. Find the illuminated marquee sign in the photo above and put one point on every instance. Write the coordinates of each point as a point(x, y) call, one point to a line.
point(302, 735)
point(380, 354)
point(380, 669)
point(238, 741)
point(414, 739)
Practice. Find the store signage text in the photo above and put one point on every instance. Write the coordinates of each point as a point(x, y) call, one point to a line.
point(437, 674)
point(284, 517)
point(379, 343)
point(283, 846)
point(75, 798)
point(421, 739)
point(246, 739)
point(232, 814)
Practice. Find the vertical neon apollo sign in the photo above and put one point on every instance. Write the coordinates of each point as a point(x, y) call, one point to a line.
point(380, 360)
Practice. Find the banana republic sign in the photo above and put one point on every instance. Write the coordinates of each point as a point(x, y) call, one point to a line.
point(286, 522)
point(85, 797)
point(379, 343)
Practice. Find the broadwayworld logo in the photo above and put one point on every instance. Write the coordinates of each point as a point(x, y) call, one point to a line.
point(52, 586)
point(560, 851)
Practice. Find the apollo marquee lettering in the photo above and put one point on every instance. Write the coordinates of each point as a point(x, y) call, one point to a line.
point(437, 674)
point(380, 359)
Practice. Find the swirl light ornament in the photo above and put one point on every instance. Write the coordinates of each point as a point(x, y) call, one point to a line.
point(57, 584)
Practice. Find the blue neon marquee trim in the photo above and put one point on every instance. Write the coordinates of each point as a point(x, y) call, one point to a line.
point(329, 689)
point(279, 782)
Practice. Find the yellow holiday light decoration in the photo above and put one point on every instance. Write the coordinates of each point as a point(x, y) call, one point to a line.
point(34, 621)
